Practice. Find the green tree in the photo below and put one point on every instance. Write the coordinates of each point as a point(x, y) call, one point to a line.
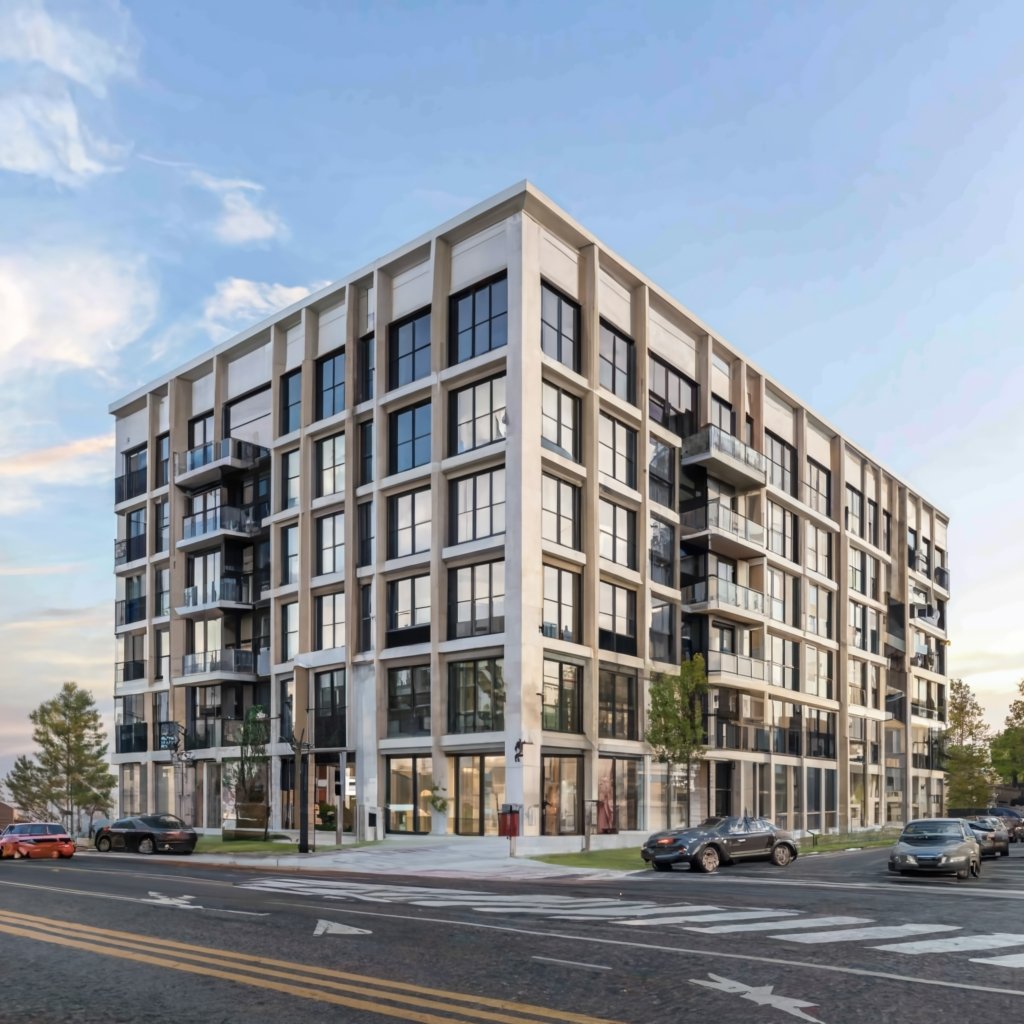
point(965, 717)
point(969, 777)
point(676, 717)
point(248, 775)
point(70, 770)
point(1007, 752)
point(1015, 719)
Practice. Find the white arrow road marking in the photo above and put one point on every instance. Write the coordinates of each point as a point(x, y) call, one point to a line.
point(181, 902)
point(768, 926)
point(998, 940)
point(761, 994)
point(1012, 960)
point(333, 928)
point(732, 915)
point(881, 932)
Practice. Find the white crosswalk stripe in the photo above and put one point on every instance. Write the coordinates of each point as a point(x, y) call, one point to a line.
point(630, 910)
point(955, 944)
point(879, 932)
point(1012, 960)
point(725, 915)
point(767, 926)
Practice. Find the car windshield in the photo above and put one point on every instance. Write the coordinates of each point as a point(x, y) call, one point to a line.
point(713, 822)
point(935, 829)
point(163, 821)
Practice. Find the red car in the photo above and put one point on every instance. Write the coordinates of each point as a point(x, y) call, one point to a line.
point(35, 839)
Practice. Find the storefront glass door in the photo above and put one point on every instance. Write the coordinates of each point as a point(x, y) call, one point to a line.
point(562, 789)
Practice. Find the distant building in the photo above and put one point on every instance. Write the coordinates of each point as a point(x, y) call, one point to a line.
point(445, 518)
point(8, 815)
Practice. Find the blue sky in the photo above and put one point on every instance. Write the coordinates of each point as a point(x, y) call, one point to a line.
point(835, 187)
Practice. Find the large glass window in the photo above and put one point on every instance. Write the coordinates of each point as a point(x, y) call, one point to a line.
point(161, 525)
point(819, 549)
point(783, 662)
point(410, 781)
point(478, 506)
point(364, 439)
point(364, 534)
point(562, 703)
point(661, 472)
point(662, 635)
point(723, 415)
point(476, 696)
point(618, 363)
point(476, 599)
point(290, 554)
point(616, 450)
point(559, 327)
point(366, 348)
point(672, 398)
point(289, 630)
point(409, 701)
point(562, 618)
point(477, 415)
point(663, 544)
point(819, 611)
point(617, 705)
point(409, 523)
point(818, 671)
point(618, 533)
point(819, 488)
point(409, 438)
point(329, 708)
point(781, 463)
point(782, 532)
point(479, 792)
point(854, 511)
point(617, 619)
point(329, 612)
point(163, 460)
point(330, 465)
point(618, 793)
point(408, 613)
point(409, 350)
point(330, 385)
point(560, 421)
point(478, 321)
point(291, 401)
point(330, 543)
point(560, 512)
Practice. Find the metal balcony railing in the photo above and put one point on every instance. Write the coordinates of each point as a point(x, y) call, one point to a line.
point(710, 439)
point(130, 485)
point(216, 451)
point(131, 738)
point(127, 671)
point(722, 592)
point(129, 549)
point(129, 611)
point(229, 660)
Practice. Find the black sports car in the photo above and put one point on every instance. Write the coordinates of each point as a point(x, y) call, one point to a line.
point(720, 841)
point(148, 833)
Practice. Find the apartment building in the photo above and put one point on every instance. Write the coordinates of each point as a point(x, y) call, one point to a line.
point(443, 521)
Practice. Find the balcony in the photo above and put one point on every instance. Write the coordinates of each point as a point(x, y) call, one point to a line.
point(131, 738)
point(924, 660)
point(730, 533)
point(129, 549)
point(942, 577)
point(203, 734)
point(329, 730)
point(724, 664)
point(206, 463)
point(129, 611)
point(715, 594)
point(928, 710)
point(926, 613)
point(130, 485)
point(165, 735)
point(725, 457)
point(209, 600)
point(226, 520)
point(231, 661)
point(129, 671)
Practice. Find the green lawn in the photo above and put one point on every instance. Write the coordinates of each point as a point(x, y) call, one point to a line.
point(214, 844)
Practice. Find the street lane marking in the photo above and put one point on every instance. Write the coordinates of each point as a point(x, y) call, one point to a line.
point(997, 940)
point(881, 932)
point(762, 995)
point(629, 911)
point(1012, 960)
point(108, 943)
point(767, 926)
point(730, 915)
point(334, 928)
point(571, 963)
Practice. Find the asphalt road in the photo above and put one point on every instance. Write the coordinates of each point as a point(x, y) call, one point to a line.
point(832, 938)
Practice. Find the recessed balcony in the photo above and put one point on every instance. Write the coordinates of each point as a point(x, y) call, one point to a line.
point(738, 666)
point(225, 594)
point(130, 485)
point(129, 671)
point(232, 661)
point(223, 521)
point(129, 549)
point(729, 533)
point(206, 463)
point(131, 738)
point(129, 611)
point(941, 577)
point(725, 457)
point(714, 594)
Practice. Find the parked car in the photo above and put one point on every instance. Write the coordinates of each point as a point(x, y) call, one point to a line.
point(147, 833)
point(937, 846)
point(1011, 817)
point(36, 839)
point(720, 841)
point(991, 834)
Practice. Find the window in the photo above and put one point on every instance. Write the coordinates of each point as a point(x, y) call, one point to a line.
point(819, 549)
point(477, 415)
point(478, 321)
point(409, 350)
point(408, 619)
point(671, 398)
point(819, 611)
point(366, 347)
point(330, 544)
point(722, 415)
point(290, 474)
point(854, 511)
point(560, 512)
point(364, 534)
point(330, 621)
point(784, 662)
point(291, 401)
point(662, 631)
point(560, 421)
point(478, 506)
point(617, 705)
point(663, 543)
point(365, 642)
point(858, 626)
point(559, 327)
point(365, 438)
point(819, 488)
point(163, 460)
point(821, 734)
point(561, 697)
point(476, 696)
point(661, 473)
point(617, 451)
point(476, 600)
point(618, 534)
point(289, 630)
point(561, 614)
point(330, 465)
point(290, 554)
point(200, 431)
point(856, 571)
point(817, 671)
point(329, 697)
point(330, 385)
point(409, 701)
point(617, 619)
point(162, 525)
point(872, 524)
point(783, 597)
point(781, 463)
point(618, 363)
point(409, 523)
point(782, 532)
point(887, 533)
point(162, 580)
point(409, 438)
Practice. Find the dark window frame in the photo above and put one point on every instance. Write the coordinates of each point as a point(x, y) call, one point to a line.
point(494, 417)
point(617, 719)
point(416, 524)
point(617, 372)
point(562, 611)
point(565, 712)
point(488, 574)
point(621, 516)
point(334, 547)
point(321, 627)
point(563, 490)
point(489, 719)
point(330, 391)
point(418, 435)
point(457, 516)
point(554, 336)
point(291, 403)
point(562, 431)
point(418, 629)
point(490, 313)
point(335, 443)
point(409, 713)
point(609, 636)
point(611, 451)
point(405, 367)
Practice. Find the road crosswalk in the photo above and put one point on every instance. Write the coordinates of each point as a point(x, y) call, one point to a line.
point(782, 925)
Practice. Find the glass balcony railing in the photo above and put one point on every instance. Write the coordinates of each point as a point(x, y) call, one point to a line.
point(127, 671)
point(129, 611)
point(131, 738)
point(129, 549)
point(216, 451)
point(711, 439)
point(237, 520)
point(130, 485)
point(736, 665)
point(722, 592)
point(203, 734)
point(229, 660)
point(716, 516)
point(235, 590)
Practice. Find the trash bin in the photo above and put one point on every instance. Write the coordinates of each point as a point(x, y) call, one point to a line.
point(508, 820)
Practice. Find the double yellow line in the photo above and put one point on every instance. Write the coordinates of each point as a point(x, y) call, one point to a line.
point(305, 981)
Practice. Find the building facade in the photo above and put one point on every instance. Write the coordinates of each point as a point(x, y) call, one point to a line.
point(443, 521)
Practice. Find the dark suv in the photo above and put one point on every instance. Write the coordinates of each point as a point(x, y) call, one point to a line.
point(720, 841)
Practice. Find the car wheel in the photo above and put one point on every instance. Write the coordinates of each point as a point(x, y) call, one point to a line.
point(660, 867)
point(961, 875)
point(146, 845)
point(709, 861)
point(976, 871)
point(103, 844)
point(782, 855)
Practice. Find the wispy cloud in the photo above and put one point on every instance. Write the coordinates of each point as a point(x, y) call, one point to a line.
point(242, 219)
point(57, 569)
point(76, 463)
point(237, 302)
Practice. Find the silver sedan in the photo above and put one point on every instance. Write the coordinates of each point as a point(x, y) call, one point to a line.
point(936, 846)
